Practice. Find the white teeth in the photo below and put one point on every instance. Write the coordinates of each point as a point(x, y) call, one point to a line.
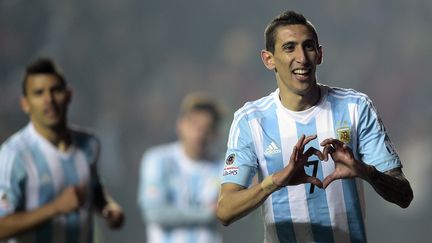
point(301, 71)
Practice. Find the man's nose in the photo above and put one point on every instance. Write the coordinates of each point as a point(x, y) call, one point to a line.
point(300, 55)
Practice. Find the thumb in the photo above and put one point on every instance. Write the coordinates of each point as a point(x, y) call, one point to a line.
point(330, 178)
point(315, 181)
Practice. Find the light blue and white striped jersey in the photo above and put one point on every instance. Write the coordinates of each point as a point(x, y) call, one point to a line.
point(33, 172)
point(261, 140)
point(177, 196)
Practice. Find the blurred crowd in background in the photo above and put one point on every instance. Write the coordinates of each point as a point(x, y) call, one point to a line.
point(131, 62)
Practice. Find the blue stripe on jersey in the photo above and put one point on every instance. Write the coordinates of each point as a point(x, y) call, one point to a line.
point(353, 207)
point(192, 237)
point(46, 192)
point(281, 207)
point(316, 198)
point(72, 218)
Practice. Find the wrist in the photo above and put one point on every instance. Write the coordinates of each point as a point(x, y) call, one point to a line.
point(371, 173)
point(268, 185)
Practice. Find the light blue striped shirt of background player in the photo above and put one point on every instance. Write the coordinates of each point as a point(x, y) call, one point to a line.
point(261, 139)
point(177, 196)
point(33, 172)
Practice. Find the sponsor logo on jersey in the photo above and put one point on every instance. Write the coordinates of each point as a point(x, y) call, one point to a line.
point(230, 170)
point(272, 149)
point(344, 134)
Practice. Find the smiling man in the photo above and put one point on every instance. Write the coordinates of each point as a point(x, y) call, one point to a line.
point(49, 184)
point(311, 145)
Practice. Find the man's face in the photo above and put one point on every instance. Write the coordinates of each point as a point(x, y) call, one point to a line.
point(46, 101)
point(295, 58)
point(195, 130)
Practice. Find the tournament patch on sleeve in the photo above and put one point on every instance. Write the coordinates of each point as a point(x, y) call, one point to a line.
point(230, 167)
point(5, 203)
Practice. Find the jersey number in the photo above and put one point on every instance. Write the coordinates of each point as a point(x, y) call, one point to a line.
point(314, 172)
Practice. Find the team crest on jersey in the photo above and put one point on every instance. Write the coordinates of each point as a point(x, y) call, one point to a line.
point(344, 134)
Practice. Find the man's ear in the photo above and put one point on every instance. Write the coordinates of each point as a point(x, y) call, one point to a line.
point(320, 55)
point(24, 105)
point(268, 60)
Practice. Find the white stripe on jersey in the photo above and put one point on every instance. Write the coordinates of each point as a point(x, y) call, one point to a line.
point(334, 192)
point(32, 187)
point(6, 169)
point(257, 136)
point(270, 229)
point(296, 194)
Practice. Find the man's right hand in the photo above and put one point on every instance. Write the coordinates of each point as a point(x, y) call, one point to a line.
point(294, 173)
point(70, 199)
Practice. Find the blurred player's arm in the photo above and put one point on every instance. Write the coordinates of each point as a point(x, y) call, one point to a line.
point(110, 210)
point(391, 185)
point(19, 222)
point(171, 216)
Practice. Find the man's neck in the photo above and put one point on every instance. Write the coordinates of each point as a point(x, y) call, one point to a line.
point(58, 136)
point(299, 102)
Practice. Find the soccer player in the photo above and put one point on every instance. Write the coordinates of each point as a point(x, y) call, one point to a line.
point(180, 181)
point(49, 185)
point(311, 146)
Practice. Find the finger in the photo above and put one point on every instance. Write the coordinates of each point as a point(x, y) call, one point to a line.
point(300, 142)
point(306, 141)
point(328, 149)
point(313, 151)
point(294, 154)
point(331, 141)
point(309, 138)
point(329, 179)
point(315, 181)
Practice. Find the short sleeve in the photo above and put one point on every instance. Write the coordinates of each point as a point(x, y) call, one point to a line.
point(240, 160)
point(374, 145)
point(12, 179)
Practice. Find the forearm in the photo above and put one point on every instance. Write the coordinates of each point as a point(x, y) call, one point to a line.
point(102, 198)
point(391, 185)
point(235, 203)
point(170, 216)
point(16, 223)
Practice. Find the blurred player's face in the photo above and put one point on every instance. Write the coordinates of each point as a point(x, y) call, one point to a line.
point(195, 130)
point(46, 101)
point(295, 59)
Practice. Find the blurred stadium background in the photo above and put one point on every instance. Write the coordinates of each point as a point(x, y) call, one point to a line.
point(130, 62)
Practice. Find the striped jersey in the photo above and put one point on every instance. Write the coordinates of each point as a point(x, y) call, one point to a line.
point(33, 172)
point(261, 139)
point(177, 196)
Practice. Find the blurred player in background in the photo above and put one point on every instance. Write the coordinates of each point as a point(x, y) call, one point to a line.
point(49, 185)
point(280, 137)
point(179, 181)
